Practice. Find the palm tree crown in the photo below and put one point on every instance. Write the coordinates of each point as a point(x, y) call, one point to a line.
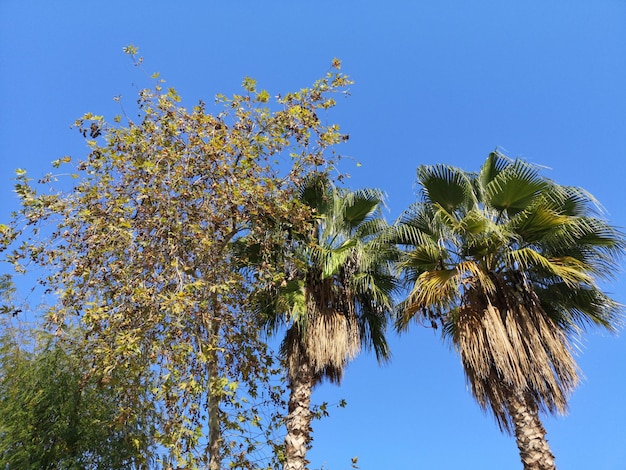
point(508, 262)
point(336, 294)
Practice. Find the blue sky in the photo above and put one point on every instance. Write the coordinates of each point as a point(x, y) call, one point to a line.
point(437, 81)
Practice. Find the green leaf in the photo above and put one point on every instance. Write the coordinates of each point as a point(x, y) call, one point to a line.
point(249, 84)
point(444, 185)
point(263, 96)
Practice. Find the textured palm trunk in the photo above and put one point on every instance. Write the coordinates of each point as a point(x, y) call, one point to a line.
point(530, 434)
point(299, 417)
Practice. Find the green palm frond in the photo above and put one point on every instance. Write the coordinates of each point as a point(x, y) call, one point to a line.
point(495, 163)
point(535, 222)
point(596, 234)
point(425, 257)
point(447, 186)
point(474, 222)
point(579, 307)
point(359, 205)
point(290, 297)
point(421, 218)
point(405, 234)
point(331, 259)
point(586, 231)
point(575, 202)
point(591, 241)
point(570, 270)
point(372, 330)
point(314, 192)
point(444, 221)
point(377, 287)
point(438, 288)
point(515, 187)
point(371, 228)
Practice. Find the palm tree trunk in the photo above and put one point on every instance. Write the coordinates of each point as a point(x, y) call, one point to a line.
point(299, 417)
point(530, 434)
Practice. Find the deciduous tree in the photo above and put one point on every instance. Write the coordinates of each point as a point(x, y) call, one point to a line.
point(140, 249)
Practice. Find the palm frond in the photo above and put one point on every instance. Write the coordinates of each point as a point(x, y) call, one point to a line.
point(577, 308)
point(359, 205)
point(474, 222)
point(437, 289)
point(315, 192)
point(517, 349)
point(577, 202)
point(568, 269)
point(370, 229)
point(471, 275)
point(373, 329)
point(425, 257)
point(447, 186)
point(515, 187)
point(407, 235)
point(289, 298)
point(495, 163)
point(533, 223)
point(330, 259)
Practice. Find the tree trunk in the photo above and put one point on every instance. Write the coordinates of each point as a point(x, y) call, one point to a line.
point(299, 417)
point(215, 432)
point(214, 398)
point(530, 434)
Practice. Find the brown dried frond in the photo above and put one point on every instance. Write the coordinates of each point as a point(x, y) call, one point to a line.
point(513, 346)
point(332, 341)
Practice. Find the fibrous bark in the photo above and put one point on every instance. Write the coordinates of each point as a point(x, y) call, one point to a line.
point(299, 417)
point(530, 434)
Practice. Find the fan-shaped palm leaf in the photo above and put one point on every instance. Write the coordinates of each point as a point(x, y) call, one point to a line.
point(446, 186)
point(514, 187)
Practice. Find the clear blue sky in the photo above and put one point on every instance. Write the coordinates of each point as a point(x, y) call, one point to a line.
point(437, 81)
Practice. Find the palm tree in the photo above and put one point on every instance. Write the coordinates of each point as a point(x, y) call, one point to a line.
point(334, 297)
point(507, 262)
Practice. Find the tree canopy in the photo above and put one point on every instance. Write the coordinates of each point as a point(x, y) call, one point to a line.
point(139, 249)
